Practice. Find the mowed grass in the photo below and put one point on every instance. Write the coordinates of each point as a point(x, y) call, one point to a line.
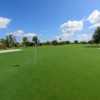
point(16, 75)
point(70, 72)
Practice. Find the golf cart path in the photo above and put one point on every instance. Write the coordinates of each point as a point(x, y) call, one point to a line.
point(11, 50)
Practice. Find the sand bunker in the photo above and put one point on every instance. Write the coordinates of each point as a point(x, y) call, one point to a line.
point(11, 50)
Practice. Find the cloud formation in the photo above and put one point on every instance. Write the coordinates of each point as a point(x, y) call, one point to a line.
point(30, 34)
point(21, 33)
point(4, 22)
point(18, 33)
point(72, 26)
point(94, 19)
point(84, 37)
point(64, 37)
point(71, 30)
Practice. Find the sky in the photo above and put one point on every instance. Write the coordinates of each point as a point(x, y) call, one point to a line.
point(50, 19)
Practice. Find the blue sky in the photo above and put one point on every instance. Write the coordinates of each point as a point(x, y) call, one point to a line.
point(44, 17)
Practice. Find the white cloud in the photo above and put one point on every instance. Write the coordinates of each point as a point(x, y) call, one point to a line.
point(30, 34)
point(72, 26)
point(21, 33)
point(72, 37)
point(94, 26)
point(69, 29)
point(94, 19)
point(64, 37)
point(4, 22)
point(18, 33)
point(84, 37)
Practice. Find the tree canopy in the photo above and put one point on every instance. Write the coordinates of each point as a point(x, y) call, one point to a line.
point(96, 36)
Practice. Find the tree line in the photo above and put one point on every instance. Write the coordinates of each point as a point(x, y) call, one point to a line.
point(94, 40)
point(10, 41)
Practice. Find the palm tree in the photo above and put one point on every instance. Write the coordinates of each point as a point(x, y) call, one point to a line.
point(35, 40)
point(24, 41)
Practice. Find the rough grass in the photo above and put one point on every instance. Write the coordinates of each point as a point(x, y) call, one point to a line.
point(51, 73)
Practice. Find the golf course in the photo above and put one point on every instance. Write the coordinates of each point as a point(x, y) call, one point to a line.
point(68, 72)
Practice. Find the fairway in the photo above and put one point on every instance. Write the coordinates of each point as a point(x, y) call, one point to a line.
point(70, 72)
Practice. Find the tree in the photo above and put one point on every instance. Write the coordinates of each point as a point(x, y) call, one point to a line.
point(54, 42)
point(25, 41)
point(35, 40)
point(76, 42)
point(67, 42)
point(10, 41)
point(47, 43)
point(90, 42)
point(96, 36)
point(83, 42)
point(3, 44)
point(3, 41)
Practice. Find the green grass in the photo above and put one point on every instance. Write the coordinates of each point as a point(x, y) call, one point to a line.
point(52, 73)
